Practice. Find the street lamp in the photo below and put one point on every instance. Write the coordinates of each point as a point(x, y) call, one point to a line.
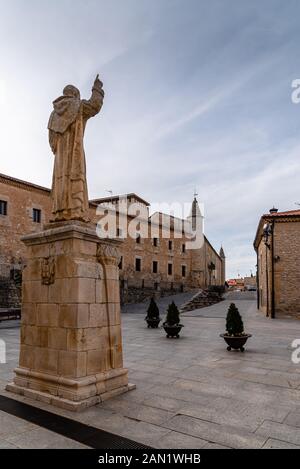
point(267, 232)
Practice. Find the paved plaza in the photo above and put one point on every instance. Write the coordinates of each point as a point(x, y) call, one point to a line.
point(191, 392)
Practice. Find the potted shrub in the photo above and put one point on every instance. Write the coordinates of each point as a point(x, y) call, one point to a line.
point(235, 336)
point(152, 317)
point(172, 324)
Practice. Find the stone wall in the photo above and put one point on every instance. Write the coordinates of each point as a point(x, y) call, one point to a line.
point(10, 293)
point(264, 276)
point(21, 199)
point(286, 269)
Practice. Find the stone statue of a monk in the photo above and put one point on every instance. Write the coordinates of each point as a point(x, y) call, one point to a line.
point(66, 131)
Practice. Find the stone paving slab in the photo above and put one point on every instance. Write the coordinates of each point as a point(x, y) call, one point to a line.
point(279, 431)
point(277, 444)
point(18, 433)
point(192, 392)
point(293, 419)
point(181, 441)
point(40, 438)
point(10, 426)
point(233, 437)
point(6, 445)
point(139, 412)
point(245, 417)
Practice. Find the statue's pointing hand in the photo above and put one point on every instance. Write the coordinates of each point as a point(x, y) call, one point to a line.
point(98, 84)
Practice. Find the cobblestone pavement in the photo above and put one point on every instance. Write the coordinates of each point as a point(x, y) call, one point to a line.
point(191, 392)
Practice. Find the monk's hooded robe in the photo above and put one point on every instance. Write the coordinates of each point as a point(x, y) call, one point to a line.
point(66, 131)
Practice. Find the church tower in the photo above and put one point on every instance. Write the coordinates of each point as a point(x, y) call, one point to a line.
point(195, 220)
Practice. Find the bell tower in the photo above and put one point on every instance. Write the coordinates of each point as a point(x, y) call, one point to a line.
point(195, 220)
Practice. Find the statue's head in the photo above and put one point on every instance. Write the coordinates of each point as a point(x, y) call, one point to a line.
point(71, 91)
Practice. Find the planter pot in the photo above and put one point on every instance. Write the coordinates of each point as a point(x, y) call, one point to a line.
point(237, 343)
point(173, 331)
point(153, 322)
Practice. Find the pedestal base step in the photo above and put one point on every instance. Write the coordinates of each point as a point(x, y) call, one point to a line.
point(66, 403)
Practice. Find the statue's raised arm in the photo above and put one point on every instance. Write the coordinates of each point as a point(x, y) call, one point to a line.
point(66, 131)
point(94, 104)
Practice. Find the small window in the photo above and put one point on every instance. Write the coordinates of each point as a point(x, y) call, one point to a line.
point(155, 242)
point(121, 263)
point(36, 215)
point(183, 270)
point(138, 239)
point(155, 267)
point(183, 248)
point(138, 264)
point(170, 245)
point(3, 207)
point(170, 269)
point(119, 233)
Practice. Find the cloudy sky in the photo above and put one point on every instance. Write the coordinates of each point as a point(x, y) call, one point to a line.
point(198, 94)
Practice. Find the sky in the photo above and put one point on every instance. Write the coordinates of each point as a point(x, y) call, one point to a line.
point(197, 95)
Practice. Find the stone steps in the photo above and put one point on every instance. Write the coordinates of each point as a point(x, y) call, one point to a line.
point(202, 299)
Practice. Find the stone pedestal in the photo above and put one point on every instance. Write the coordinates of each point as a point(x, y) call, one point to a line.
point(71, 345)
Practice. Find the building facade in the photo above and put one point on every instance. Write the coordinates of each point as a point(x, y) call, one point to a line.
point(154, 258)
point(242, 283)
point(24, 208)
point(277, 245)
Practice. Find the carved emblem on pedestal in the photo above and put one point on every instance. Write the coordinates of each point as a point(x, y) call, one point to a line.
point(108, 254)
point(48, 270)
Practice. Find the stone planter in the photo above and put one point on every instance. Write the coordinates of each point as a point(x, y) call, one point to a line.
point(172, 330)
point(236, 343)
point(152, 322)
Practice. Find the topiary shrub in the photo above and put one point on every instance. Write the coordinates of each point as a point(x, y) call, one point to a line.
point(172, 318)
point(152, 311)
point(234, 322)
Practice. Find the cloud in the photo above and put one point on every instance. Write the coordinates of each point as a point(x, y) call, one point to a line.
point(195, 97)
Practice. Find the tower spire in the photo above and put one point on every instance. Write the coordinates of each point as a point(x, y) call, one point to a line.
point(222, 254)
point(195, 213)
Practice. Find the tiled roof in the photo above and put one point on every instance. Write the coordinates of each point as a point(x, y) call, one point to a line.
point(20, 182)
point(117, 197)
point(288, 213)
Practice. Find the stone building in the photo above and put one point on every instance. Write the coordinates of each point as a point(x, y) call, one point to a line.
point(24, 208)
point(277, 244)
point(250, 281)
point(155, 259)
